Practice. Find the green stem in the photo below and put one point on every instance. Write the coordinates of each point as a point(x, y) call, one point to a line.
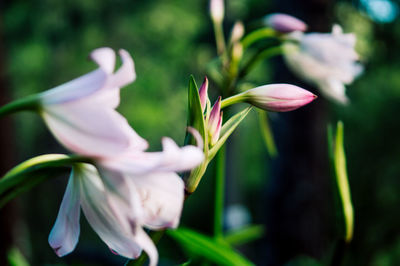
point(27, 103)
point(219, 37)
point(257, 35)
point(238, 98)
point(219, 194)
point(259, 57)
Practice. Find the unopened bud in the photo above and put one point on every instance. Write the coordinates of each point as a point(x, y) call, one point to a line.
point(203, 92)
point(278, 97)
point(237, 32)
point(215, 122)
point(217, 10)
point(284, 23)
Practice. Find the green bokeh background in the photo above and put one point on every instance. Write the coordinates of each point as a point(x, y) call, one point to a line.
point(46, 43)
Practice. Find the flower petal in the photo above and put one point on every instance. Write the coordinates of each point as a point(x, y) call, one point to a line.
point(147, 244)
point(105, 58)
point(172, 159)
point(125, 74)
point(91, 131)
point(75, 89)
point(119, 237)
point(65, 232)
point(162, 196)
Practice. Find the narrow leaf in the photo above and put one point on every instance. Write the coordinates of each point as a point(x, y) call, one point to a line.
point(206, 247)
point(267, 133)
point(195, 117)
point(338, 158)
point(244, 235)
point(227, 129)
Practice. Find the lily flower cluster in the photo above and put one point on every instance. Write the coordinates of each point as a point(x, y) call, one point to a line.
point(326, 60)
point(125, 188)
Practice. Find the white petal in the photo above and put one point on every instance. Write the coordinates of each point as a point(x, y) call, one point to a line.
point(105, 58)
point(147, 244)
point(125, 74)
point(101, 216)
point(162, 196)
point(91, 131)
point(75, 89)
point(172, 158)
point(65, 232)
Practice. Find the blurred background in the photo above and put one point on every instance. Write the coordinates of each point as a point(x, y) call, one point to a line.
point(45, 43)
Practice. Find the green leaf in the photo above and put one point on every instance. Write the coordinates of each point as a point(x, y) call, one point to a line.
point(32, 172)
point(267, 133)
point(206, 247)
point(195, 118)
point(338, 158)
point(244, 235)
point(227, 129)
point(15, 258)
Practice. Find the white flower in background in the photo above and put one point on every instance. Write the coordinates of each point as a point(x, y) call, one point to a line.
point(126, 193)
point(81, 113)
point(326, 60)
point(217, 10)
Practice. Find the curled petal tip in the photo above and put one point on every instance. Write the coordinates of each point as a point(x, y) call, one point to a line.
point(197, 137)
point(105, 58)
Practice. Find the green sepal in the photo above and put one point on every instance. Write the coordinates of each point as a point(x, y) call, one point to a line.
point(227, 130)
point(206, 247)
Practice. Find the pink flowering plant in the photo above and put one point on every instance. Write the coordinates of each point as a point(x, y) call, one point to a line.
point(131, 196)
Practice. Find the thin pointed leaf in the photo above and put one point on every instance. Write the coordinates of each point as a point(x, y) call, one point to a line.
point(338, 161)
point(195, 117)
point(342, 182)
point(244, 235)
point(227, 129)
point(206, 247)
point(267, 133)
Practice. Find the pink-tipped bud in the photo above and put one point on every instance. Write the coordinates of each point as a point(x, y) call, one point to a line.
point(203, 92)
point(278, 97)
point(215, 121)
point(284, 23)
point(215, 135)
point(217, 10)
point(237, 32)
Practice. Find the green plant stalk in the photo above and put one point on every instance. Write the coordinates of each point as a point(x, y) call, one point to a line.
point(219, 194)
point(15, 175)
point(257, 35)
point(30, 103)
point(259, 57)
point(238, 98)
point(219, 37)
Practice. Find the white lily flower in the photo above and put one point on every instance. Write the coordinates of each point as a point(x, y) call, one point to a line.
point(81, 113)
point(124, 195)
point(326, 60)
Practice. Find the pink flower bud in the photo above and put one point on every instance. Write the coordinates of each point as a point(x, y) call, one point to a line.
point(203, 92)
point(284, 23)
point(215, 121)
point(278, 97)
point(217, 10)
